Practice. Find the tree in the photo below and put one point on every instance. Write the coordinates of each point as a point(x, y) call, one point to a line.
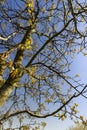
point(78, 126)
point(38, 41)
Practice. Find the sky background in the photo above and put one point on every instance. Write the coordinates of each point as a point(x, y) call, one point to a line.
point(79, 65)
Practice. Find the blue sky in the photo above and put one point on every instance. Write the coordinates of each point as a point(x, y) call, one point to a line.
point(79, 65)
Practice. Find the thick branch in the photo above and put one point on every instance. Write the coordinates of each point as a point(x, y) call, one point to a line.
point(9, 86)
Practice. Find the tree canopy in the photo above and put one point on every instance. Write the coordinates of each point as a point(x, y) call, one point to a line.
point(38, 42)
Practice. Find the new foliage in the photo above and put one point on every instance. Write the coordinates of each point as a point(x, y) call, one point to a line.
point(38, 41)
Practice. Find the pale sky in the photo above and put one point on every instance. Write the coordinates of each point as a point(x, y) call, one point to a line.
point(79, 65)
